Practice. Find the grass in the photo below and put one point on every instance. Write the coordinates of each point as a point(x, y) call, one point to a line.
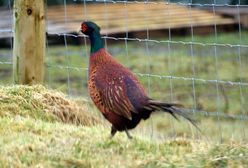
point(38, 137)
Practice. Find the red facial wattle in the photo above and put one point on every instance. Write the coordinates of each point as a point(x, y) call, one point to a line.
point(83, 27)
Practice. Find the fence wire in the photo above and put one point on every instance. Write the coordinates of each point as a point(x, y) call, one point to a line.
point(148, 75)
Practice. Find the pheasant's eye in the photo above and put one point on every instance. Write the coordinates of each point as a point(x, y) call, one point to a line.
point(83, 27)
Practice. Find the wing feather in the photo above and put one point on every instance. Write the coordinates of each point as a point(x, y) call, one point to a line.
point(119, 90)
point(113, 95)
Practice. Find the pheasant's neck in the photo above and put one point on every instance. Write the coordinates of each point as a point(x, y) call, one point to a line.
point(99, 58)
point(96, 42)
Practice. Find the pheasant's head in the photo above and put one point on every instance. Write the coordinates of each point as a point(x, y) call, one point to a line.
point(89, 27)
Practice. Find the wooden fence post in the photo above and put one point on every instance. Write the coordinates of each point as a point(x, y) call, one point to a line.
point(29, 41)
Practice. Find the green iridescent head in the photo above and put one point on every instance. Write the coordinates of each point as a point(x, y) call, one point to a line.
point(89, 28)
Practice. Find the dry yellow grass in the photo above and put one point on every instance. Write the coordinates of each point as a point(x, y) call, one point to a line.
point(33, 101)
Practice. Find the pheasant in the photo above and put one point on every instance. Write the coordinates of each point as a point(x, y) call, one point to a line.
point(116, 91)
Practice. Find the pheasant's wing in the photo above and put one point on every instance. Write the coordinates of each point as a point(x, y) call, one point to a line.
point(119, 90)
point(135, 93)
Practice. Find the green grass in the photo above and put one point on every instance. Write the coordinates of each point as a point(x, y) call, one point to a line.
point(33, 135)
point(27, 142)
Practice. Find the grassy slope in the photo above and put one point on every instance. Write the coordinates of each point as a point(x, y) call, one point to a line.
point(37, 136)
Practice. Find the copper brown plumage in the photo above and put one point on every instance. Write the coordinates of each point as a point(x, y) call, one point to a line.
point(116, 91)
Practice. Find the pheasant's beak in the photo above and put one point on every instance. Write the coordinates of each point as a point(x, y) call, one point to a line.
point(79, 30)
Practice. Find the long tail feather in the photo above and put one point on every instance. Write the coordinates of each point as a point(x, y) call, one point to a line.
point(173, 109)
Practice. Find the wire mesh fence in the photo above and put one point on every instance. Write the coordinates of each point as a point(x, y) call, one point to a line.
point(206, 73)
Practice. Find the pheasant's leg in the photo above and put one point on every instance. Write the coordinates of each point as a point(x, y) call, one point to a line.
point(128, 135)
point(113, 131)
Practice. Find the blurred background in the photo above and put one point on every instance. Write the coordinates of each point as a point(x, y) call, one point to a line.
point(194, 52)
point(231, 2)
